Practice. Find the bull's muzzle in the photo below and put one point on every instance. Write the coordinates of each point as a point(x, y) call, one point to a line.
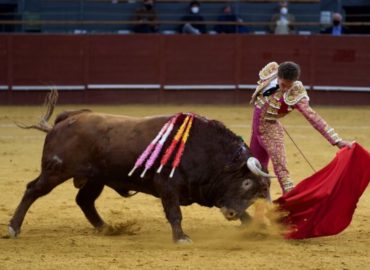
point(229, 214)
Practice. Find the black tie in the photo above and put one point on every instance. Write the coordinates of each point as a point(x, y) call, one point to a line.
point(270, 91)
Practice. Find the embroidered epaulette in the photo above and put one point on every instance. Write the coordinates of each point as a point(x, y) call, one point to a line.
point(268, 71)
point(295, 94)
point(266, 75)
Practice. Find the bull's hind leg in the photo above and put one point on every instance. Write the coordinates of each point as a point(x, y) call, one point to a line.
point(86, 200)
point(39, 187)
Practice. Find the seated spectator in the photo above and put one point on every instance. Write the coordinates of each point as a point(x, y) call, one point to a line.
point(282, 22)
point(229, 16)
point(146, 14)
point(337, 28)
point(190, 27)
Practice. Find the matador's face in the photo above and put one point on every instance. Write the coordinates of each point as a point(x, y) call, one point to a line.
point(285, 84)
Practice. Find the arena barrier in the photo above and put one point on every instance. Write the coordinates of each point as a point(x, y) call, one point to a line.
point(177, 68)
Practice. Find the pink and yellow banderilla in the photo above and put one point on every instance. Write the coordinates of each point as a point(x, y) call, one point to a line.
point(173, 144)
point(149, 163)
point(154, 148)
point(163, 133)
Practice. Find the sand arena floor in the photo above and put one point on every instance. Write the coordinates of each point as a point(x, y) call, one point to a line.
point(56, 235)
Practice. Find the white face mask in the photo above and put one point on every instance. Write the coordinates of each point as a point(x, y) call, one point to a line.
point(283, 11)
point(195, 10)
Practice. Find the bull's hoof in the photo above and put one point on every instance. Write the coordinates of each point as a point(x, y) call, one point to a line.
point(12, 233)
point(184, 241)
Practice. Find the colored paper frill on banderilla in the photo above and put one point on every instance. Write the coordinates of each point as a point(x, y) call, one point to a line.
point(153, 150)
point(324, 203)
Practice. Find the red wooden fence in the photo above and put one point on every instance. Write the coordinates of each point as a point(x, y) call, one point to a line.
point(150, 68)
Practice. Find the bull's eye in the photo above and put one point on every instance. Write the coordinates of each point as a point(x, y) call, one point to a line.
point(247, 184)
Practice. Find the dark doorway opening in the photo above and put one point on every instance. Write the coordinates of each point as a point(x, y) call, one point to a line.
point(359, 14)
point(8, 13)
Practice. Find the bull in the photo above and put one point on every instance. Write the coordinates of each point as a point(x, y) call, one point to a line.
point(98, 150)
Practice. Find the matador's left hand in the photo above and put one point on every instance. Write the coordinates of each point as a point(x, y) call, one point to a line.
point(344, 143)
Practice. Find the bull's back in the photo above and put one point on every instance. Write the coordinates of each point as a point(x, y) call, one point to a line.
point(103, 141)
point(64, 115)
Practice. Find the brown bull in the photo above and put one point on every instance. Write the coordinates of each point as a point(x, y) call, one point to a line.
point(98, 150)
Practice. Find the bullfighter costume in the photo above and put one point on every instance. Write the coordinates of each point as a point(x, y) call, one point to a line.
point(271, 103)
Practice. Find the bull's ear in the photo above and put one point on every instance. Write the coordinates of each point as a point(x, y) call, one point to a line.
point(236, 165)
point(238, 160)
point(247, 184)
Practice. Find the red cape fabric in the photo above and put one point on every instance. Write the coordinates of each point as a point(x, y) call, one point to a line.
point(323, 204)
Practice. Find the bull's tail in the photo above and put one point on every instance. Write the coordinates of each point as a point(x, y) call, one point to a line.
point(43, 125)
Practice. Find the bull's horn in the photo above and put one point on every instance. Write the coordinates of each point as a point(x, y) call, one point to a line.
point(255, 166)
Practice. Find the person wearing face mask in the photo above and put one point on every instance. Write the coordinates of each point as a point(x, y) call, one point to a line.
point(228, 15)
point(189, 27)
point(337, 28)
point(279, 92)
point(282, 23)
point(146, 14)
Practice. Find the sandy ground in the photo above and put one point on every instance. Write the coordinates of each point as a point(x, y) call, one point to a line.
point(56, 235)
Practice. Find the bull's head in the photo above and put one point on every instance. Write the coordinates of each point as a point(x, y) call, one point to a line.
point(248, 184)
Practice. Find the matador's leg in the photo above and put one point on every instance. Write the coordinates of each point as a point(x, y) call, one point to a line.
point(272, 136)
point(258, 151)
point(256, 146)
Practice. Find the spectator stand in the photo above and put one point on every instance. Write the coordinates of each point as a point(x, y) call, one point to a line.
point(116, 16)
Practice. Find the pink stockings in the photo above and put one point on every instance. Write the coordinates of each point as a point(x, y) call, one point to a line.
point(267, 142)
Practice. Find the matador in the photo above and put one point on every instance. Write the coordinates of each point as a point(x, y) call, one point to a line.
point(279, 92)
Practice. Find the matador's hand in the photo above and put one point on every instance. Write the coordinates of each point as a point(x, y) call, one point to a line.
point(344, 143)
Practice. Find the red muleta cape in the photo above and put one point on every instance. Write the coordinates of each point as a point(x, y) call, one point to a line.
point(323, 204)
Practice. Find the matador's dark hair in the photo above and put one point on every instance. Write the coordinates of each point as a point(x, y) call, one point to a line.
point(289, 71)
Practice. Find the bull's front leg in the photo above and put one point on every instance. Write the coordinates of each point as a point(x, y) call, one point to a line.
point(172, 209)
point(245, 219)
